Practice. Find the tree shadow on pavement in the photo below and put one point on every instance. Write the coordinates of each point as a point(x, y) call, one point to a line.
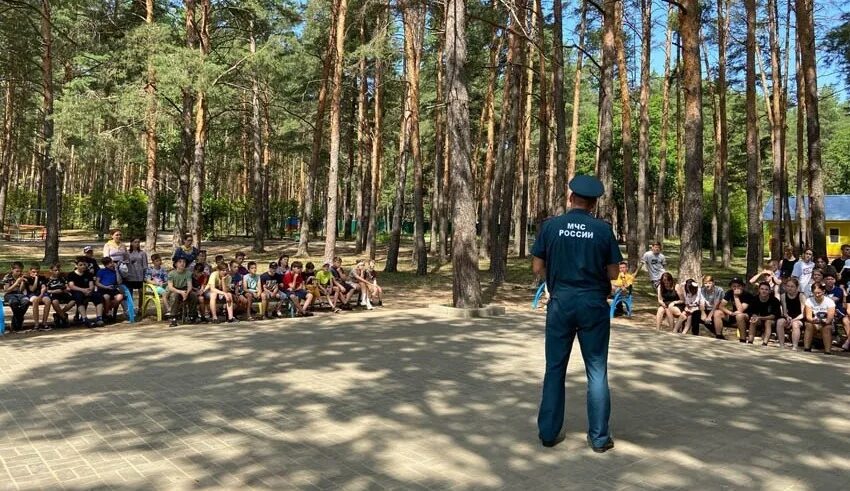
point(407, 400)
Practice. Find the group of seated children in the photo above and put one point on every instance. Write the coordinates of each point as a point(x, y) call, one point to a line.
point(786, 306)
point(62, 293)
point(196, 292)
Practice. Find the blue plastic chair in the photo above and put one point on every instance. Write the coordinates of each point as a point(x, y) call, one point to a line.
point(622, 297)
point(129, 305)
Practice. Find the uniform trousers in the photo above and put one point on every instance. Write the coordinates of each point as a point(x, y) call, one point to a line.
point(586, 316)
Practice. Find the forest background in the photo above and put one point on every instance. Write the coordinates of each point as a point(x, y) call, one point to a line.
point(222, 117)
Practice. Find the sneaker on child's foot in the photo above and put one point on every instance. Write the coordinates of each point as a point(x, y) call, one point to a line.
point(173, 323)
point(98, 322)
point(232, 320)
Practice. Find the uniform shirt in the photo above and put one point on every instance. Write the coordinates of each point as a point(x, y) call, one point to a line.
point(9, 280)
point(179, 280)
point(730, 301)
point(80, 280)
point(820, 310)
point(764, 309)
point(578, 249)
point(108, 277)
point(271, 281)
point(655, 264)
point(289, 277)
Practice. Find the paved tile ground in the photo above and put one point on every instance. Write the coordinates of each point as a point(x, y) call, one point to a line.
point(405, 400)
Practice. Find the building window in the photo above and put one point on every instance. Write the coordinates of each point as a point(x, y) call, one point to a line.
point(833, 235)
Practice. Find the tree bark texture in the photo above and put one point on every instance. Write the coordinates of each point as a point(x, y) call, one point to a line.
point(605, 156)
point(558, 105)
point(571, 164)
point(151, 143)
point(362, 147)
point(257, 196)
point(187, 137)
point(49, 165)
point(488, 121)
point(754, 245)
point(724, 215)
point(660, 193)
point(642, 222)
point(466, 286)
point(201, 103)
point(438, 236)
point(805, 27)
point(377, 139)
point(336, 112)
point(629, 188)
point(541, 209)
point(690, 265)
point(318, 136)
point(800, 212)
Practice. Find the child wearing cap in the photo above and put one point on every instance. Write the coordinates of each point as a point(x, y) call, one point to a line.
point(91, 262)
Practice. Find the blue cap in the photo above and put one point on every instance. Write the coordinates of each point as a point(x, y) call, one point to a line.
point(587, 186)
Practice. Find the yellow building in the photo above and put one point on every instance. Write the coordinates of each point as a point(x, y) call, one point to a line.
point(837, 210)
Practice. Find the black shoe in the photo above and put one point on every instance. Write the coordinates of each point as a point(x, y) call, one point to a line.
point(232, 320)
point(807, 350)
point(827, 352)
point(604, 448)
point(720, 336)
point(551, 443)
point(173, 323)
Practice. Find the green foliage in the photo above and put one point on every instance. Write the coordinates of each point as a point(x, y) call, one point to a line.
point(130, 211)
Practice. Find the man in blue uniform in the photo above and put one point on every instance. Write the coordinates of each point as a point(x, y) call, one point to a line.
point(579, 255)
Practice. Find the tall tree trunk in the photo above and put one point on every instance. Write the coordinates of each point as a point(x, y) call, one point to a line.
point(541, 209)
point(605, 164)
point(630, 191)
point(466, 287)
point(333, 169)
point(508, 151)
point(715, 201)
point(754, 246)
point(558, 105)
point(400, 186)
point(801, 214)
point(49, 166)
point(6, 145)
point(571, 164)
point(151, 143)
point(377, 138)
point(267, 174)
point(521, 196)
point(362, 149)
point(778, 144)
point(725, 217)
point(805, 27)
point(201, 103)
point(413, 17)
point(437, 206)
point(257, 196)
point(318, 135)
point(660, 193)
point(642, 223)
point(488, 120)
point(691, 245)
point(187, 137)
